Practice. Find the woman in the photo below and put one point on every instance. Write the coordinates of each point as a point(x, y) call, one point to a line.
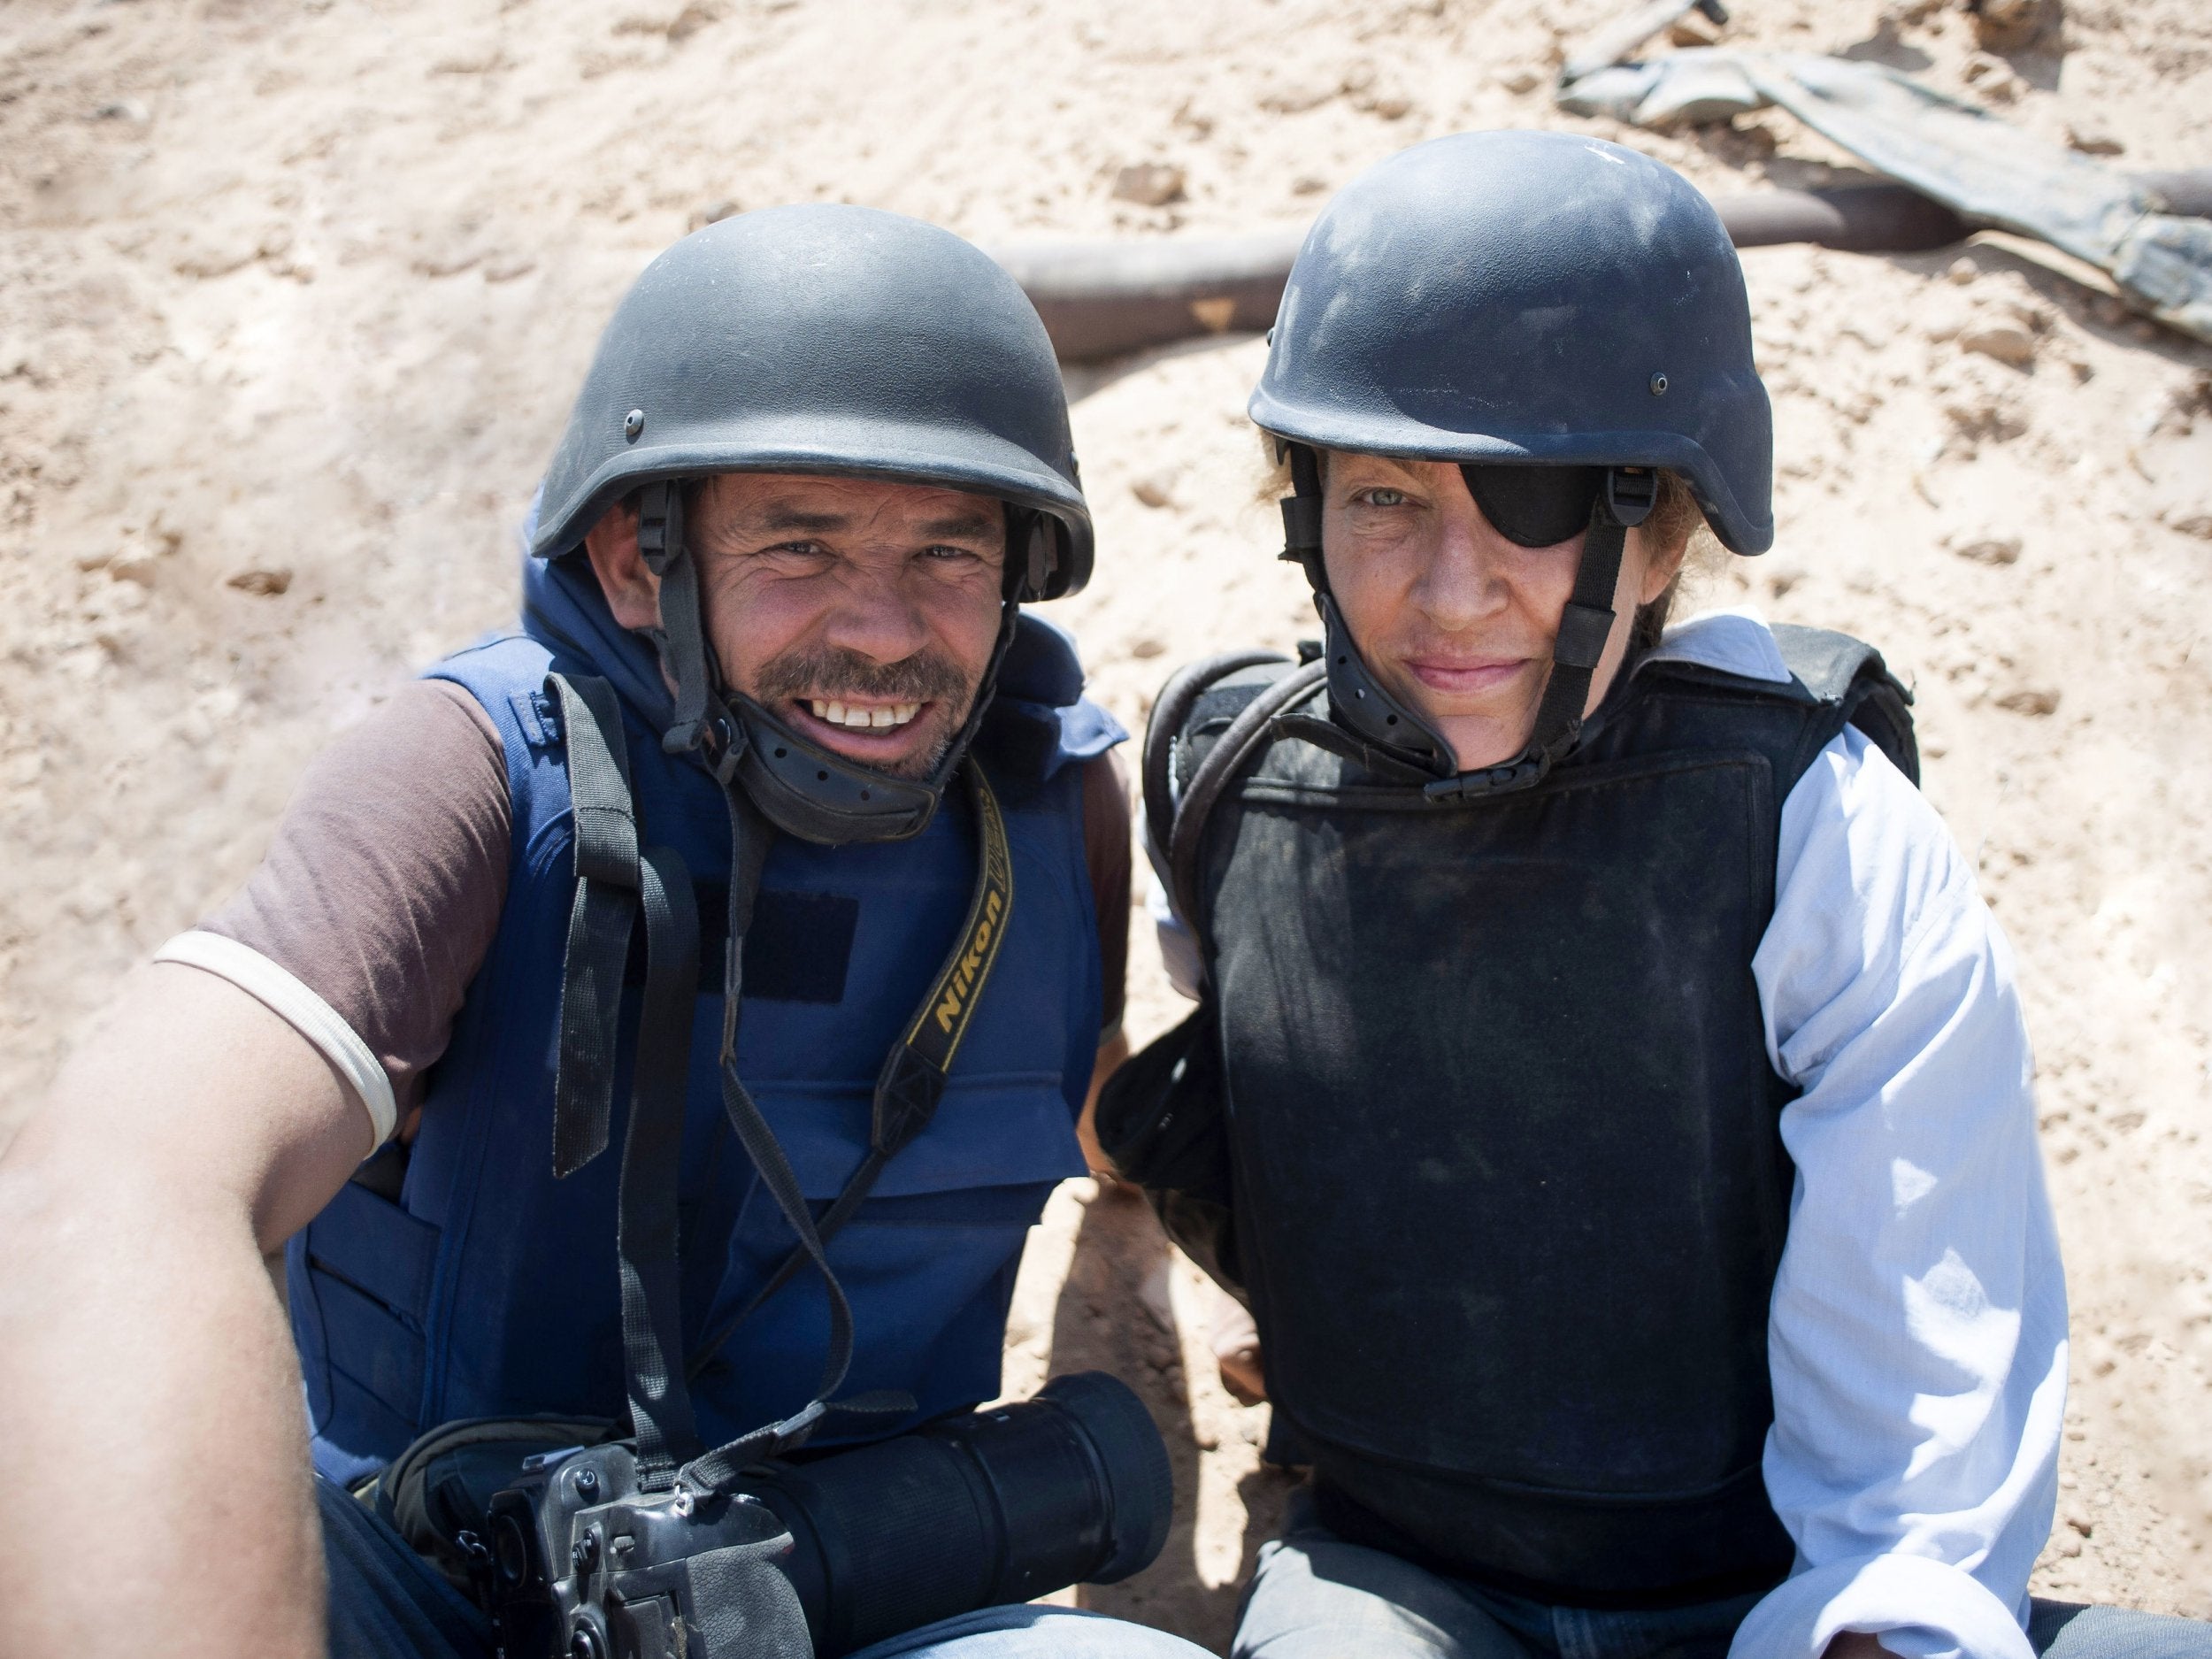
point(1627, 1111)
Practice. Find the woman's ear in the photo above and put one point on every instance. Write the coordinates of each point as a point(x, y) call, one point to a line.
point(633, 593)
point(1662, 564)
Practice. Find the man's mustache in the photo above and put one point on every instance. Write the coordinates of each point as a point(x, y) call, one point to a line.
point(828, 672)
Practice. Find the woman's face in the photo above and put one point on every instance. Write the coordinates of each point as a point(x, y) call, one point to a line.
point(1456, 620)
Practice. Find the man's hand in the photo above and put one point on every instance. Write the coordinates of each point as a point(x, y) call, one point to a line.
point(146, 1376)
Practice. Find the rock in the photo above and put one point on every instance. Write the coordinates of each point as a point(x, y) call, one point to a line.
point(1306, 184)
point(1296, 97)
point(1391, 106)
point(1992, 76)
point(1694, 28)
point(1521, 79)
point(2005, 26)
point(1149, 184)
point(208, 253)
point(471, 57)
point(690, 20)
point(450, 260)
point(2092, 140)
point(2030, 700)
point(1962, 270)
point(1156, 490)
point(2196, 524)
point(1993, 549)
point(508, 266)
point(715, 213)
point(2004, 340)
point(1147, 649)
point(262, 584)
point(125, 109)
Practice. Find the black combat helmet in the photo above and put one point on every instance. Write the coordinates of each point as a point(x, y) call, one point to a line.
point(1562, 316)
point(818, 339)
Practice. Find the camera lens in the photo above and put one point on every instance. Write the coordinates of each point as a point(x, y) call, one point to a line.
point(981, 1509)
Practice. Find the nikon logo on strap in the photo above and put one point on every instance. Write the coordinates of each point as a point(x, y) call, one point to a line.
point(951, 1003)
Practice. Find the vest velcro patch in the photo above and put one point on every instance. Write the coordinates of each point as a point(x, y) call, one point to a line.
point(798, 949)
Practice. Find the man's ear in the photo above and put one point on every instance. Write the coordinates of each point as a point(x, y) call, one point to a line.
point(633, 593)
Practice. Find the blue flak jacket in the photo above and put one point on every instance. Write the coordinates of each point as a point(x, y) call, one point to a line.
point(491, 1289)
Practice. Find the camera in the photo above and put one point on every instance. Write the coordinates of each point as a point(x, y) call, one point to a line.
point(826, 1555)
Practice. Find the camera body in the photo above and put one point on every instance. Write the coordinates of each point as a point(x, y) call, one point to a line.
point(822, 1556)
point(584, 1565)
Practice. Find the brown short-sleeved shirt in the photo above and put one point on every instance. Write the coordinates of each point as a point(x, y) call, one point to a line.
point(382, 889)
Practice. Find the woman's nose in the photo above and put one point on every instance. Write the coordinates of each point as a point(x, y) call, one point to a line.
point(1463, 583)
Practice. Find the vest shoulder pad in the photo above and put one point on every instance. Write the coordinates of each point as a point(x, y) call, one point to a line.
point(1039, 719)
point(1851, 675)
point(1839, 681)
point(1193, 709)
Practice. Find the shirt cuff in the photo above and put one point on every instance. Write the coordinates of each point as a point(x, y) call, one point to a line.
point(1921, 1608)
point(292, 1002)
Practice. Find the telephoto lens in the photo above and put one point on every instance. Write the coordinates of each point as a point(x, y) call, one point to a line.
point(993, 1507)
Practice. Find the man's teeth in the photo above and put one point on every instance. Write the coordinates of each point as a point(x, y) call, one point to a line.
point(858, 719)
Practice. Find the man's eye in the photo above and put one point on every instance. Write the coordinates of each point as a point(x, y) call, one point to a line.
point(948, 552)
point(1382, 495)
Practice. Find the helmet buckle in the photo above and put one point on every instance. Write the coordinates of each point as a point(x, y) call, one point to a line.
point(1630, 492)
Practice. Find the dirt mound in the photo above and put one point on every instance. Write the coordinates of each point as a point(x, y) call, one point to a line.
point(292, 300)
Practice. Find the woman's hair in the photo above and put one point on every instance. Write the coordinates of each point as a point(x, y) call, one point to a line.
point(1675, 520)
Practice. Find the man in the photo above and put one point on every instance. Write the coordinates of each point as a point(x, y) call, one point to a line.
point(1626, 1106)
point(771, 680)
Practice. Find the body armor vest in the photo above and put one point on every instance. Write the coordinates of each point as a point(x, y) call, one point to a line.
point(1508, 1185)
point(481, 1286)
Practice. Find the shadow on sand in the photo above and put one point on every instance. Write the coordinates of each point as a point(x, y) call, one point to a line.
point(1117, 1312)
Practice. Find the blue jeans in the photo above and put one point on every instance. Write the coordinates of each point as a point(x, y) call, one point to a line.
point(387, 1602)
point(1315, 1596)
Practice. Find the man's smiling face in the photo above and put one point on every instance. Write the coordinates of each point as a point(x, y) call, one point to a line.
point(862, 613)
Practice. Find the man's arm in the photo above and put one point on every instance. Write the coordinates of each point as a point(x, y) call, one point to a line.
point(158, 1455)
point(148, 1385)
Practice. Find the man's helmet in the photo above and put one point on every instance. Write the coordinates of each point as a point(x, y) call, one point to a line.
point(818, 339)
point(1562, 316)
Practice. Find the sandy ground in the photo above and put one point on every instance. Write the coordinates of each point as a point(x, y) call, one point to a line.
point(293, 299)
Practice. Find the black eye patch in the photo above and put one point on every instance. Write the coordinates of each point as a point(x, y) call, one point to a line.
point(1534, 506)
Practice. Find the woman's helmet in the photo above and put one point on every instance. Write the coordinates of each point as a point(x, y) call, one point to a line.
point(1562, 316)
point(818, 339)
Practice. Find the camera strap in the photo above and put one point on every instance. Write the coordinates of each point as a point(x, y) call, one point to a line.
point(615, 883)
point(912, 1080)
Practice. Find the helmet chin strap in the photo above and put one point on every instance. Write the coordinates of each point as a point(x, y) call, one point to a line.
point(1360, 704)
point(801, 787)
